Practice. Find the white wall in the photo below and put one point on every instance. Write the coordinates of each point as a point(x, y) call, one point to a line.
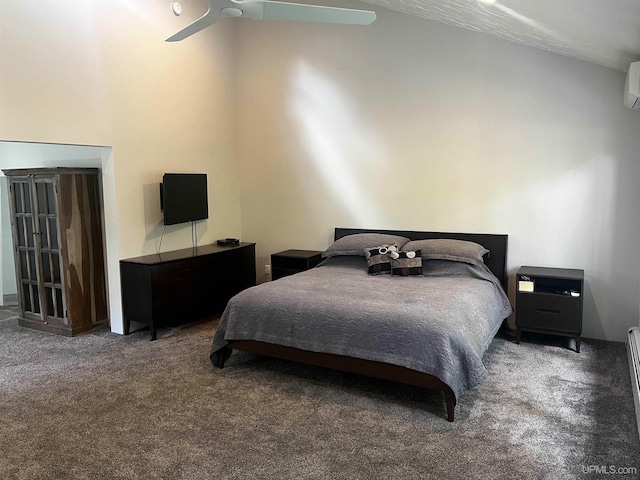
point(7, 278)
point(410, 124)
point(101, 74)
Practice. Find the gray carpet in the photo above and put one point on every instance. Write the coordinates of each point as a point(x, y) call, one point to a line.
point(106, 406)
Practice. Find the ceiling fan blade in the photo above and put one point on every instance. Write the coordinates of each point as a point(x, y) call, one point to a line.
point(267, 10)
point(295, 12)
point(209, 18)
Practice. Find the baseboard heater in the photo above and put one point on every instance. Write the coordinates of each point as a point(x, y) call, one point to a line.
point(633, 351)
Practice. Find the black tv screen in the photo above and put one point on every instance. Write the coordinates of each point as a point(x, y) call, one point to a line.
point(184, 197)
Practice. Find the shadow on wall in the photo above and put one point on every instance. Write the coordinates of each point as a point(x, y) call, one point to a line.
point(169, 237)
point(589, 306)
point(152, 213)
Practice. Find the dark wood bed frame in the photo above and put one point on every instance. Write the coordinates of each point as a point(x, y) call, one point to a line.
point(495, 260)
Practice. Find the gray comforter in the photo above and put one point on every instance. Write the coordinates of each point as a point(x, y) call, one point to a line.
point(440, 324)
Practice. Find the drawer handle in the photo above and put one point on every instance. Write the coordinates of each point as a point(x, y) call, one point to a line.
point(548, 311)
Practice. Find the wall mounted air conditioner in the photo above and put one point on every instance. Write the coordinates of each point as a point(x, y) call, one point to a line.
point(632, 87)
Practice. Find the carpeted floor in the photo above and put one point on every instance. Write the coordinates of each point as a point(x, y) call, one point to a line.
point(104, 406)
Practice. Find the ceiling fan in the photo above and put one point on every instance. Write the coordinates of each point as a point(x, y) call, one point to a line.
point(268, 10)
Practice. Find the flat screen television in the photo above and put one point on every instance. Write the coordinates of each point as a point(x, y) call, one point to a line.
point(183, 197)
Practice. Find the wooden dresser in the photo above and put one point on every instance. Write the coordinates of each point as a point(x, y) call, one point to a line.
point(184, 285)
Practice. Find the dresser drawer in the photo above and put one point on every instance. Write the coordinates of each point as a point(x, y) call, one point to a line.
point(549, 312)
point(171, 271)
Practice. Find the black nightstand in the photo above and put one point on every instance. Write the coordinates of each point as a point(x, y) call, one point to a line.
point(549, 300)
point(293, 261)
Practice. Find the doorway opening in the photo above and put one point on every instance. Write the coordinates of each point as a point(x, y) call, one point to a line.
point(47, 155)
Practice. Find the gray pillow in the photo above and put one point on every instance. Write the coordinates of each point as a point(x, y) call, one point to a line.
point(356, 244)
point(448, 249)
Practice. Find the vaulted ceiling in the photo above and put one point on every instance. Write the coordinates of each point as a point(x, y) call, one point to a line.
point(605, 32)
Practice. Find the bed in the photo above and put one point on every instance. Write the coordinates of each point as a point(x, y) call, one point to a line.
point(428, 327)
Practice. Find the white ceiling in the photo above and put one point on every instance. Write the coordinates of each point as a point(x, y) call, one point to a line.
point(605, 32)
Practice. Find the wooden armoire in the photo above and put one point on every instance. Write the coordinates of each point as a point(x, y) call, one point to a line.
point(56, 222)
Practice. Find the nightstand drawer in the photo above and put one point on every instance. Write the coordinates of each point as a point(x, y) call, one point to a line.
point(550, 312)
